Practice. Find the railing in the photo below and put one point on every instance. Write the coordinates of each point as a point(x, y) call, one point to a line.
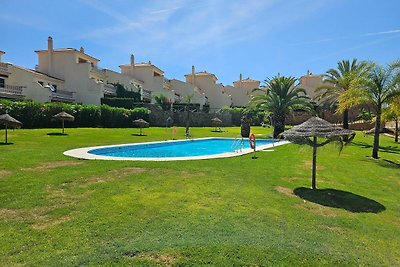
point(110, 89)
point(98, 70)
point(12, 91)
point(62, 96)
point(146, 94)
point(3, 67)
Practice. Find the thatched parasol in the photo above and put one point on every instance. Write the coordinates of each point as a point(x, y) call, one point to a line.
point(64, 116)
point(308, 133)
point(216, 121)
point(141, 124)
point(9, 121)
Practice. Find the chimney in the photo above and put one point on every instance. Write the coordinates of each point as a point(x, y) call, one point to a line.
point(82, 50)
point(50, 57)
point(193, 72)
point(50, 43)
point(308, 72)
point(132, 60)
point(241, 77)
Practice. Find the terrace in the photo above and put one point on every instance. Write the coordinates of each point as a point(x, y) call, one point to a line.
point(11, 91)
point(62, 96)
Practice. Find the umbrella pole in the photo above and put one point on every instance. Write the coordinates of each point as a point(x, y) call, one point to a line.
point(6, 134)
point(314, 163)
point(62, 126)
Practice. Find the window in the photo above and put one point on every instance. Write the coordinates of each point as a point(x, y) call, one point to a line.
point(54, 86)
point(2, 83)
point(156, 74)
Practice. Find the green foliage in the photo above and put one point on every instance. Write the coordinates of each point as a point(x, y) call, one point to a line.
point(38, 115)
point(281, 97)
point(365, 115)
point(128, 103)
point(123, 93)
point(163, 101)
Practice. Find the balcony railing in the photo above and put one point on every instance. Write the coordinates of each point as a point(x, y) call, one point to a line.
point(146, 94)
point(98, 70)
point(11, 91)
point(3, 67)
point(110, 89)
point(62, 96)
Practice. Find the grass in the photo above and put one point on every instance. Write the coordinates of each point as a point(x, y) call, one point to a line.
point(60, 211)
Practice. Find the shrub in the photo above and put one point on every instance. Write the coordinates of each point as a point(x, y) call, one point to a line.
point(39, 115)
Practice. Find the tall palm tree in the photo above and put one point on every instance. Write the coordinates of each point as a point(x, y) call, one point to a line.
point(338, 81)
point(281, 96)
point(381, 85)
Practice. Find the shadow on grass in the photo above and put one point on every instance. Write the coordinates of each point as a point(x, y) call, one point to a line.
point(217, 131)
point(57, 134)
point(5, 144)
point(387, 149)
point(388, 164)
point(139, 134)
point(339, 199)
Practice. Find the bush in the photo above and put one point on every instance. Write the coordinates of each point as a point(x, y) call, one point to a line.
point(39, 115)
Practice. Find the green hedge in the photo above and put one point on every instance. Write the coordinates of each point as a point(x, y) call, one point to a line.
point(39, 115)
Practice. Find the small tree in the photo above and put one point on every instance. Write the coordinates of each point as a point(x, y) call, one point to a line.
point(392, 112)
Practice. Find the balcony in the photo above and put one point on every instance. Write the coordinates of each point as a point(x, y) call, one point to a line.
point(110, 89)
point(97, 70)
point(62, 96)
point(145, 94)
point(11, 91)
point(4, 67)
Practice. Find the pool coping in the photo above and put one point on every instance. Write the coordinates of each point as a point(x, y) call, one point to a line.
point(82, 153)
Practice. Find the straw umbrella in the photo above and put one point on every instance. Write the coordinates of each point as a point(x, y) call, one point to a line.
point(9, 121)
point(141, 124)
point(64, 116)
point(314, 128)
point(216, 121)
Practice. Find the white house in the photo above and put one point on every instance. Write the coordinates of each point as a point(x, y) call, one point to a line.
point(151, 76)
point(207, 84)
point(80, 72)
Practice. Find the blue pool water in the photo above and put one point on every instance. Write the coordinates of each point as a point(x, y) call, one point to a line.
point(186, 148)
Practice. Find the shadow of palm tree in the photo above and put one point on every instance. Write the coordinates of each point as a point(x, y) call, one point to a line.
point(339, 199)
point(5, 144)
point(387, 149)
point(139, 134)
point(57, 134)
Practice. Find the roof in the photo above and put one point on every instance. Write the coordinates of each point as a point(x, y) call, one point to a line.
point(143, 65)
point(203, 73)
point(38, 73)
point(316, 127)
point(68, 50)
point(246, 80)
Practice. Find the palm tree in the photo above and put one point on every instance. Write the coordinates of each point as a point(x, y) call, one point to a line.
point(381, 85)
point(392, 112)
point(282, 96)
point(338, 81)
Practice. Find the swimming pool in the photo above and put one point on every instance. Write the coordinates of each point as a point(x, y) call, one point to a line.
point(193, 149)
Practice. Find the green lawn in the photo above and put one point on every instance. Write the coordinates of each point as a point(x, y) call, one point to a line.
point(60, 211)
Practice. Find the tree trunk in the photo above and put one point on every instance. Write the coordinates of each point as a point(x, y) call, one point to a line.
point(314, 164)
point(346, 119)
point(187, 121)
point(278, 124)
point(6, 134)
point(376, 134)
point(396, 130)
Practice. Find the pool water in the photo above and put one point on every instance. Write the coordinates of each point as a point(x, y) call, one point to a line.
point(185, 148)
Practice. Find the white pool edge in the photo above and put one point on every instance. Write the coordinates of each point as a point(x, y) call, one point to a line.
point(83, 153)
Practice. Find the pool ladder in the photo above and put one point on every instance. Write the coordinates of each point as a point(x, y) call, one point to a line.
point(237, 144)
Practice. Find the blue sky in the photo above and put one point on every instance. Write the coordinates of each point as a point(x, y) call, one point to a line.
point(226, 37)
